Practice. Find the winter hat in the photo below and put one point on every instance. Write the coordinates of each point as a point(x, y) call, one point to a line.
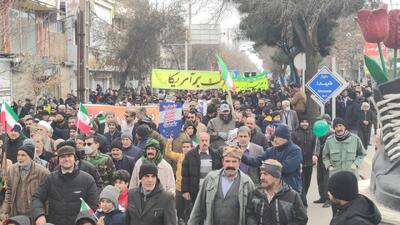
point(327, 117)
point(154, 143)
point(148, 168)
point(85, 217)
point(17, 128)
point(273, 167)
point(232, 151)
point(20, 220)
point(127, 135)
point(339, 120)
point(45, 125)
point(282, 131)
point(116, 144)
point(65, 150)
point(142, 131)
point(111, 193)
point(343, 185)
point(29, 149)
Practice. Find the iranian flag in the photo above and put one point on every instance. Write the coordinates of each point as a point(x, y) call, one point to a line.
point(225, 74)
point(8, 117)
point(86, 208)
point(83, 122)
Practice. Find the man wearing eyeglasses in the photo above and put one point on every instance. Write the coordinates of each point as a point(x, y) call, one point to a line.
point(102, 162)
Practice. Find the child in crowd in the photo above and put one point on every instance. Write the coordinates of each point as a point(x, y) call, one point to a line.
point(121, 181)
point(108, 212)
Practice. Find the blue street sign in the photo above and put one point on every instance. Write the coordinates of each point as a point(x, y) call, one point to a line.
point(325, 84)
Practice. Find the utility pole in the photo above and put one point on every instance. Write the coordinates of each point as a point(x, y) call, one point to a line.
point(82, 51)
point(188, 34)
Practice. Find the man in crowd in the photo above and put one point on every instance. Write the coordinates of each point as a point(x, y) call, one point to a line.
point(322, 173)
point(352, 207)
point(219, 127)
point(149, 203)
point(113, 133)
point(128, 124)
point(306, 140)
point(197, 164)
point(257, 137)
point(101, 161)
point(274, 202)
point(191, 116)
point(24, 178)
point(222, 199)
point(121, 161)
point(287, 153)
point(343, 150)
point(153, 154)
point(15, 140)
point(289, 116)
point(63, 190)
point(249, 149)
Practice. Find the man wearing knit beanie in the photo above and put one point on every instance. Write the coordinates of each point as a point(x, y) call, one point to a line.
point(350, 207)
point(343, 150)
point(275, 192)
point(108, 212)
point(24, 179)
point(156, 206)
point(285, 152)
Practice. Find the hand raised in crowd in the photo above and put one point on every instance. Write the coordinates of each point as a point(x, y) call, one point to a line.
point(100, 221)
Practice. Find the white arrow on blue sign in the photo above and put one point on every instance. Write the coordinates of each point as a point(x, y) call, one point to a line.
point(325, 84)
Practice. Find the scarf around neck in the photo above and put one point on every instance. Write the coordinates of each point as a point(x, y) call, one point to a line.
point(343, 137)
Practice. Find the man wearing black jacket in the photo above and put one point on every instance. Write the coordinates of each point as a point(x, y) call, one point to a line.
point(306, 140)
point(196, 165)
point(63, 190)
point(149, 203)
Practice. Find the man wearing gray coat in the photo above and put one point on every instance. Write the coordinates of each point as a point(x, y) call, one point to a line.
point(222, 199)
point(289, 116)
point(251, 150)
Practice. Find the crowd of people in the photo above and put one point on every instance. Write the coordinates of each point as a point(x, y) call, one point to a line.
point(249, 161)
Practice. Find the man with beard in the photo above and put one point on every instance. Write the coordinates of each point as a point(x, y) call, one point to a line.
point(153, 154)
point(188, 134)
point(28, 124)
point(257, 137)
point(343, 150)
point(191, 117)
point(289, 116)
point(24, 178)
point(222, 199)
point(219, 127)
point(274, 202)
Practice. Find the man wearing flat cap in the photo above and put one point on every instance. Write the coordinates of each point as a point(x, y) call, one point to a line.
point(63, 189)
point(274, 202)
point(343, 150)
point(222, 199)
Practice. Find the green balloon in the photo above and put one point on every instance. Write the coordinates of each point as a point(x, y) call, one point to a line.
point(320, 128)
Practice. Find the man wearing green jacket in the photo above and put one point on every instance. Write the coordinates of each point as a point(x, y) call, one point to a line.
point(343, 150)
point(222, 198)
